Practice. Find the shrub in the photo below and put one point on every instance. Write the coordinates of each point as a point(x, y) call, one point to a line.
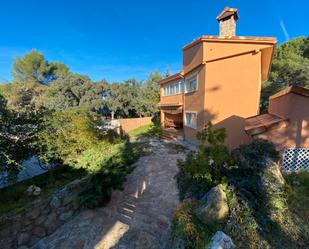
point(188, 228)
point(207, 167)
point(110, 168)
point(67, 135)
point(17, 138)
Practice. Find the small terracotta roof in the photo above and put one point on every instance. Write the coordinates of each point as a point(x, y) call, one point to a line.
point(170, 78)
point(240, 39)
point(228, 12)
point(261, 123)
point(292, 89)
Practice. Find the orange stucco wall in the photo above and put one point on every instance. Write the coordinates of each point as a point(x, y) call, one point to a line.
point(295, 133)
point(129, 124)
point(194, 102)
point(233, 94)
point(229, 85)
point(172, 99)
point(192, 57)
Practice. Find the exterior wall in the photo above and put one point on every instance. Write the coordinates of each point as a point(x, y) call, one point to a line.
point(220, 50)
point(194, 102)
point(294, 107)
point(192, 57)
point(233, 94)
point(172, 99)
point(229, 84)
point(129, 124)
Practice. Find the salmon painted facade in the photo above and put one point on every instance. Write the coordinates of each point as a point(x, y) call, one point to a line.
point(220, 82)
point(286, 124)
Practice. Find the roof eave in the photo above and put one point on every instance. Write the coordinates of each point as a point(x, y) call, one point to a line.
point(173, 77)
point(232, 39)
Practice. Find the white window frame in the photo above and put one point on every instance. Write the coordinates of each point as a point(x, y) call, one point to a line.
point(173, 88)
point(189, 78)
point(194, 126)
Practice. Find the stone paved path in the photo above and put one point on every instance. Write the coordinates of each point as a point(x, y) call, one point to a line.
point(139, 217)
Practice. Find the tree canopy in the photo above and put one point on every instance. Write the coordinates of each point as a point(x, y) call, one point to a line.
point(33, 68)
point(290, 68)
point(133, 98)
point(73, 90)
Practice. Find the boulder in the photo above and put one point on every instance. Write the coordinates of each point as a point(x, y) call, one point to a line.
point(213, 207)
point(55, 202)
point(221, 241)
point(33, 190)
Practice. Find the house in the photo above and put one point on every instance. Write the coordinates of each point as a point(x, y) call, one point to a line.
point(286, 125)
point(220, 81)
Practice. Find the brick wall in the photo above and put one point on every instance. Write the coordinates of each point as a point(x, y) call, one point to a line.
point(129, 124)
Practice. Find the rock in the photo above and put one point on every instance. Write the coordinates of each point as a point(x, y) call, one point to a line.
point(143, 240)
point(33, 190)
point(51, 223)
point(40, 219)
point(23, 238)
point(65, 216)
point(39, 231)
point(33, 240)
point(33, 213)
point(221, 241)
point(23, 247)
point(67, 200)
point(55, 202)
point(213, 207)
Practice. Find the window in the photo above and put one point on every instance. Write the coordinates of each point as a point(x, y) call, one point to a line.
point(191, 119)
point(173, 88)
point(191, 84)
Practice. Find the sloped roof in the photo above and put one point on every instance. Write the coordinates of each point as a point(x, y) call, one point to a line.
point(260, 123)
point(292, 89)
point(228, 12)
point(170, 78)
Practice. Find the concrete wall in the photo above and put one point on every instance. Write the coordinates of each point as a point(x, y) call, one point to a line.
point(295, 133)
point(129, 124)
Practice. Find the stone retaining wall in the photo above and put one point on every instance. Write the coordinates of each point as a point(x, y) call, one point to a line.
point(41, 218)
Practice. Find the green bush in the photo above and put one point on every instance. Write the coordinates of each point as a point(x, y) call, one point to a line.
point(67, 135)
point(207, 167)
point(17, 137)
point(188, 228)
point(263, 213)
point(111, 164)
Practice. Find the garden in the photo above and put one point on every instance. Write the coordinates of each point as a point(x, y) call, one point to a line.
point(241, 193)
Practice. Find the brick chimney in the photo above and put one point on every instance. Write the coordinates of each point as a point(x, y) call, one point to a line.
point(227, 22)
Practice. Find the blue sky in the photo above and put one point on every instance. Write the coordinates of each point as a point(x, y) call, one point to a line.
point(117, 40)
